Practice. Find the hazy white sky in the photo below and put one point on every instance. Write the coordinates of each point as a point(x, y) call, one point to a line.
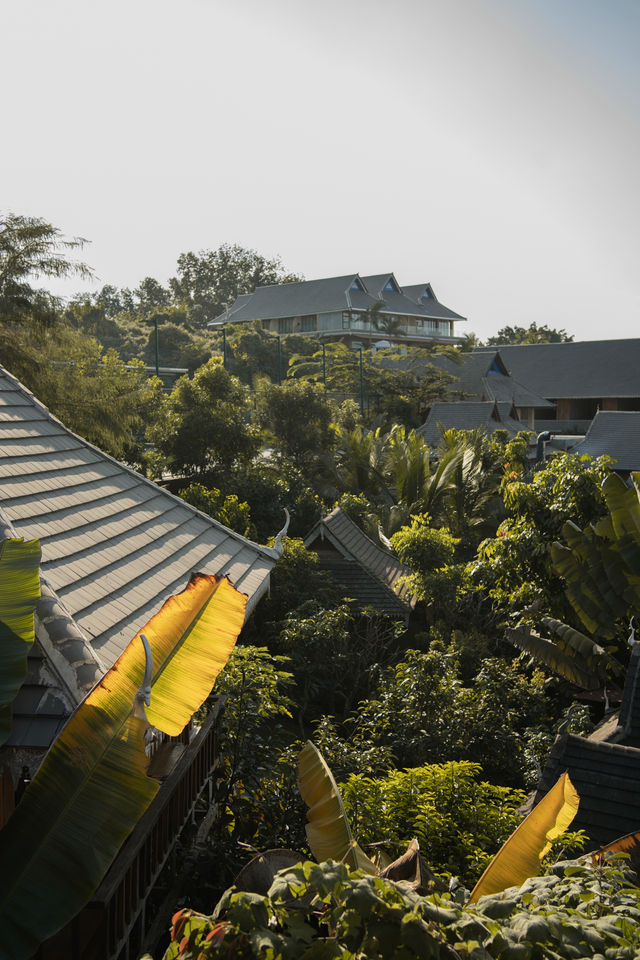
point(491, 147)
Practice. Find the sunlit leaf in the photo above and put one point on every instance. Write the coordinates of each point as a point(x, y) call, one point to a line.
point(328, 830)
point(19, 593)
point(519, 858)
point(92, 786)
point(191, 639)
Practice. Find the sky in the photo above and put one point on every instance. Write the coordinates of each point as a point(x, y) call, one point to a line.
point(490, 147)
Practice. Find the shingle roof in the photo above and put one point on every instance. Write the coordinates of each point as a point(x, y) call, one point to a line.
point(590, 368)
point(605, 767)
point(616, 433)
point(330, 295)
point(356, 548)
point(468, 415)
point(423, 294)
point(484, 375)
point(607, 778)
point(301, 298)
point(114, 545)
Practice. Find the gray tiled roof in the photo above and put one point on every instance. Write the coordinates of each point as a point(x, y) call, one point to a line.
point(615, 433)
point(590, 368)
point(301, 298)
point(353, 544)
point(114, 545)
point(330, 295)
point(468, 415)
point(607, 778)
point(483, 375)
point(430, 304)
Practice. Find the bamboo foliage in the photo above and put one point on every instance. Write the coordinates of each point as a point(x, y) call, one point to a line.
point(519, 858)
point(328, 830)
point(19, 593)
point(92, 786)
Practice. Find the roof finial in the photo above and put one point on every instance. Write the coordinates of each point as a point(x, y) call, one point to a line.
point(277, 544)
point(143, 695)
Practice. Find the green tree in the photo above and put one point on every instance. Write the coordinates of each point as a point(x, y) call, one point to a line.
point(531, 334)
point(298, 415)
point(202, 426)
point(514, 566)
point(208, 280)
point(31, 248)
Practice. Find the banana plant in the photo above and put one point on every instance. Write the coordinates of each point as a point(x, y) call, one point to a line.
point(519, 857)
point(601, 564)
point(575, 656)
point(20, 579)
point(92, 786)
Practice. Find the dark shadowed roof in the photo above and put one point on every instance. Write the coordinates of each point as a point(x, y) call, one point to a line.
point(607, 778)
point(590, 368)
point(468, 415)
point(604, 768)
point(368, 573)
point(114, 545)
point(615, 433)
point(484, 376)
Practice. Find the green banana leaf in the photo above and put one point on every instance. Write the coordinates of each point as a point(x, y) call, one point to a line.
point(92, 786)
point(601, 564)
point(19, 593)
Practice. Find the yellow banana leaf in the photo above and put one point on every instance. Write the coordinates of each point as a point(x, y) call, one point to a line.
point(19, 592)
point(519, 858)
point(92, 786)
point(629, 844)
point(191, 639)
point(328, 830)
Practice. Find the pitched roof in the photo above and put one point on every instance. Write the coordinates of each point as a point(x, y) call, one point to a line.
point(365, 567)
point(590, 368)
point(484, 375)
point(607, 778)
point(616, 433)
point(114, 544)
point(468, 415)
point(331, 295)
point(422, 293)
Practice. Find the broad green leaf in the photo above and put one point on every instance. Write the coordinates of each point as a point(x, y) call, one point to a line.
point(191, 639)
point(519, 858)
point(92, 786)
point(558, 660)
point(328, 830)
point(19, 593)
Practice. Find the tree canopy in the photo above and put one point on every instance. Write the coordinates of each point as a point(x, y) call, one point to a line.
point(531, 334)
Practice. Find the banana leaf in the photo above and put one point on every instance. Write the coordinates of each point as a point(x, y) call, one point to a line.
point(328, 830)
point(519, 858)
point(207, 618)
point(92, 786)
point(601, 564)
point(558, 660)
point(19, 593)
point(629, 844)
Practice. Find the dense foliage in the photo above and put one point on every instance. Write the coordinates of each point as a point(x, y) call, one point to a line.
point(319, 911)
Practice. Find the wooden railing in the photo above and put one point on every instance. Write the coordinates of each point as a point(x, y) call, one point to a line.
point(113, 925)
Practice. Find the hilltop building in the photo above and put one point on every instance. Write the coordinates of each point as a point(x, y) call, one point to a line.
point(358, 310)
